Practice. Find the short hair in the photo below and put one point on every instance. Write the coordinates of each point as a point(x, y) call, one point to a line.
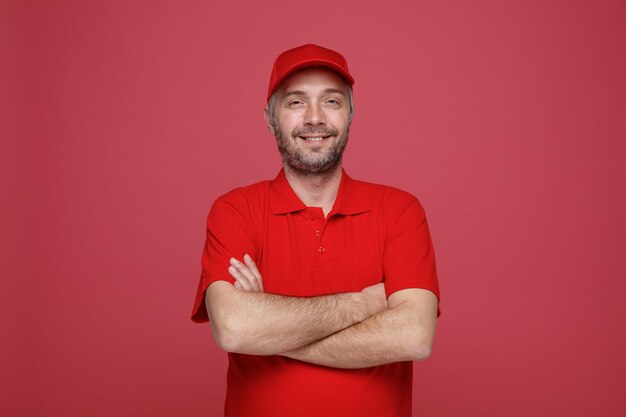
point(272, 104)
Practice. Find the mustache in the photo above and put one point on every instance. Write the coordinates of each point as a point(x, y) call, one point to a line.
point(317, 131)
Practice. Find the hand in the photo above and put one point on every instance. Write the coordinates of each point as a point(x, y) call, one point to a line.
point(246, 274)
point(376, 298)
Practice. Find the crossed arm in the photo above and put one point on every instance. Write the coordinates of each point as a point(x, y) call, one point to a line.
point(349, 330)
point(403, 332)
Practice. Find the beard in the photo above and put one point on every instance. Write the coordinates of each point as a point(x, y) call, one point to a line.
point(316, 162)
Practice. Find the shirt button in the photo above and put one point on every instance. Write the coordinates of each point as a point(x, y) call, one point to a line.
point(311, 217)
point(321, 249)
point(318, 233)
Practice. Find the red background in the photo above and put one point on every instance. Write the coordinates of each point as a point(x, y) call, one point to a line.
point(122, 121)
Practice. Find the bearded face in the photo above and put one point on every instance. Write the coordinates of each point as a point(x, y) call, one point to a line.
point(311, 121)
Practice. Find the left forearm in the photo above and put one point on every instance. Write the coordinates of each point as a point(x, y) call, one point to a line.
point(393, 335)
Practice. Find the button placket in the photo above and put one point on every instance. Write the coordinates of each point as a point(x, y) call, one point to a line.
point(317, 230)
point(318, 235)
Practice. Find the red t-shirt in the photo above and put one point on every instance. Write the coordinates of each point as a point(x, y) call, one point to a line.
point(373, 234)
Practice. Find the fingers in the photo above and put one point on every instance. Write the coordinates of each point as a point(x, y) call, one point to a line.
point(377, 296)
point(376, 288)
point(247, 278)
point(255, 271)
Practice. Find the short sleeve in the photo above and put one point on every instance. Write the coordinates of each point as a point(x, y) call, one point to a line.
point(409, 258)
point(228, 234)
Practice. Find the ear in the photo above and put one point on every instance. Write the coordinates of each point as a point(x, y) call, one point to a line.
point(268, 120)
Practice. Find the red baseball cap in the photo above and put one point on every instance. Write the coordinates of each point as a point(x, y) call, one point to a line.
point(306, 56)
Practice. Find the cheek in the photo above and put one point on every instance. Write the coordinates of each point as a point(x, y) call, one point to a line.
point(340, 119)
point(288, 124)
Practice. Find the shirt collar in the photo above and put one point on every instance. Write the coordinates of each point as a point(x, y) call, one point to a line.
point(352, 197)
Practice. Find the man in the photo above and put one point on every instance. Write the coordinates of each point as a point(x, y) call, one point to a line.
point(322, 288)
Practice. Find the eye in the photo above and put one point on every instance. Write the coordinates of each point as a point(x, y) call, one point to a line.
point(294, 103)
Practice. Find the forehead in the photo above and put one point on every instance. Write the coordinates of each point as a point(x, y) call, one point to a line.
point(312, 80)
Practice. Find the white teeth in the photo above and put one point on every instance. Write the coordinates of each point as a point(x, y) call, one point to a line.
point(314, 139)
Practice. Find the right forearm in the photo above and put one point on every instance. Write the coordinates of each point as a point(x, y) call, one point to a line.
point(266, 324)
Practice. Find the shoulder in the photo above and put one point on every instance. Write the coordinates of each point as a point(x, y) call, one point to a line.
point(253, 193)
point(242, 201)
point(398, 212)
point(385, 197)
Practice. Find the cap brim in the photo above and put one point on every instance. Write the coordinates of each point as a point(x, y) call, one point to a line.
point(311, 64)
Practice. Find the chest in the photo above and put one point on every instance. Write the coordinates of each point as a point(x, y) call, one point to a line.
point(305, 254)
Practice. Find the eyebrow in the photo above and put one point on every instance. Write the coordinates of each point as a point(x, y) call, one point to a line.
point(294, 93)
point(335, 90)
point(302, 93)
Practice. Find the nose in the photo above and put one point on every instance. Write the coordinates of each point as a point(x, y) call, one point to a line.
point(314, 115)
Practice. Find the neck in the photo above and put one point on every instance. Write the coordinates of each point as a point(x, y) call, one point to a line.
point(315, 190)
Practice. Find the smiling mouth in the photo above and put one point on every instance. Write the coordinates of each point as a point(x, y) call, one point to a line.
point(313, 138)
